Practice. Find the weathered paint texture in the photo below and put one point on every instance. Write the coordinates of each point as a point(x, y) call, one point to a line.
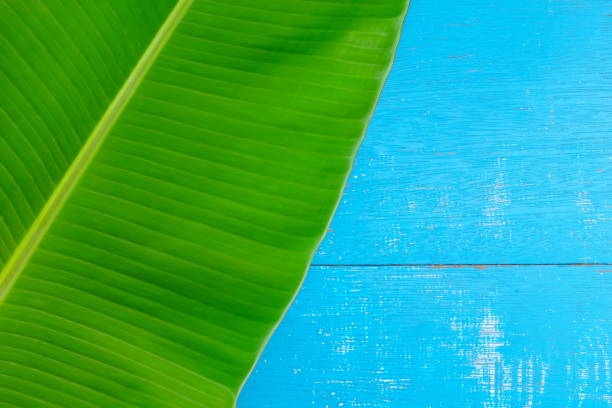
point(404, 337)
point(492, 144)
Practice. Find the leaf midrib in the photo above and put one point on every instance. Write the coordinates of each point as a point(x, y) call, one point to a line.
point(36, 232)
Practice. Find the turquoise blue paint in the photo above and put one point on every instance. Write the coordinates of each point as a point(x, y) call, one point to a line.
point(491, 144)
point(446, 338)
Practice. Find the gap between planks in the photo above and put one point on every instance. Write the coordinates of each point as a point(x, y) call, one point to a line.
point(475, 266)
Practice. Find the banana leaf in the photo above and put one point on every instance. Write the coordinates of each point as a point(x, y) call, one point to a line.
point(167, 169)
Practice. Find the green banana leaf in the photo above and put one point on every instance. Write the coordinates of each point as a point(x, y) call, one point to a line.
point(167, 169)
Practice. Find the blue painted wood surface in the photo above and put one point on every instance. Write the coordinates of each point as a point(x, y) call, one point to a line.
point(491, 144)
point(451, 338)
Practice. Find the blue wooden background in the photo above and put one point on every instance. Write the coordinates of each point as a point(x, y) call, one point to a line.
point(469, 263)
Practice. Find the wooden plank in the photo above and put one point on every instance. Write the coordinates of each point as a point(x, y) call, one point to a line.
point(492, 142)
point(500, 337)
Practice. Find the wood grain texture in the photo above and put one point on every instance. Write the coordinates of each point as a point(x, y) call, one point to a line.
point(490, 145)
point(398, 337)
point(491, 142)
